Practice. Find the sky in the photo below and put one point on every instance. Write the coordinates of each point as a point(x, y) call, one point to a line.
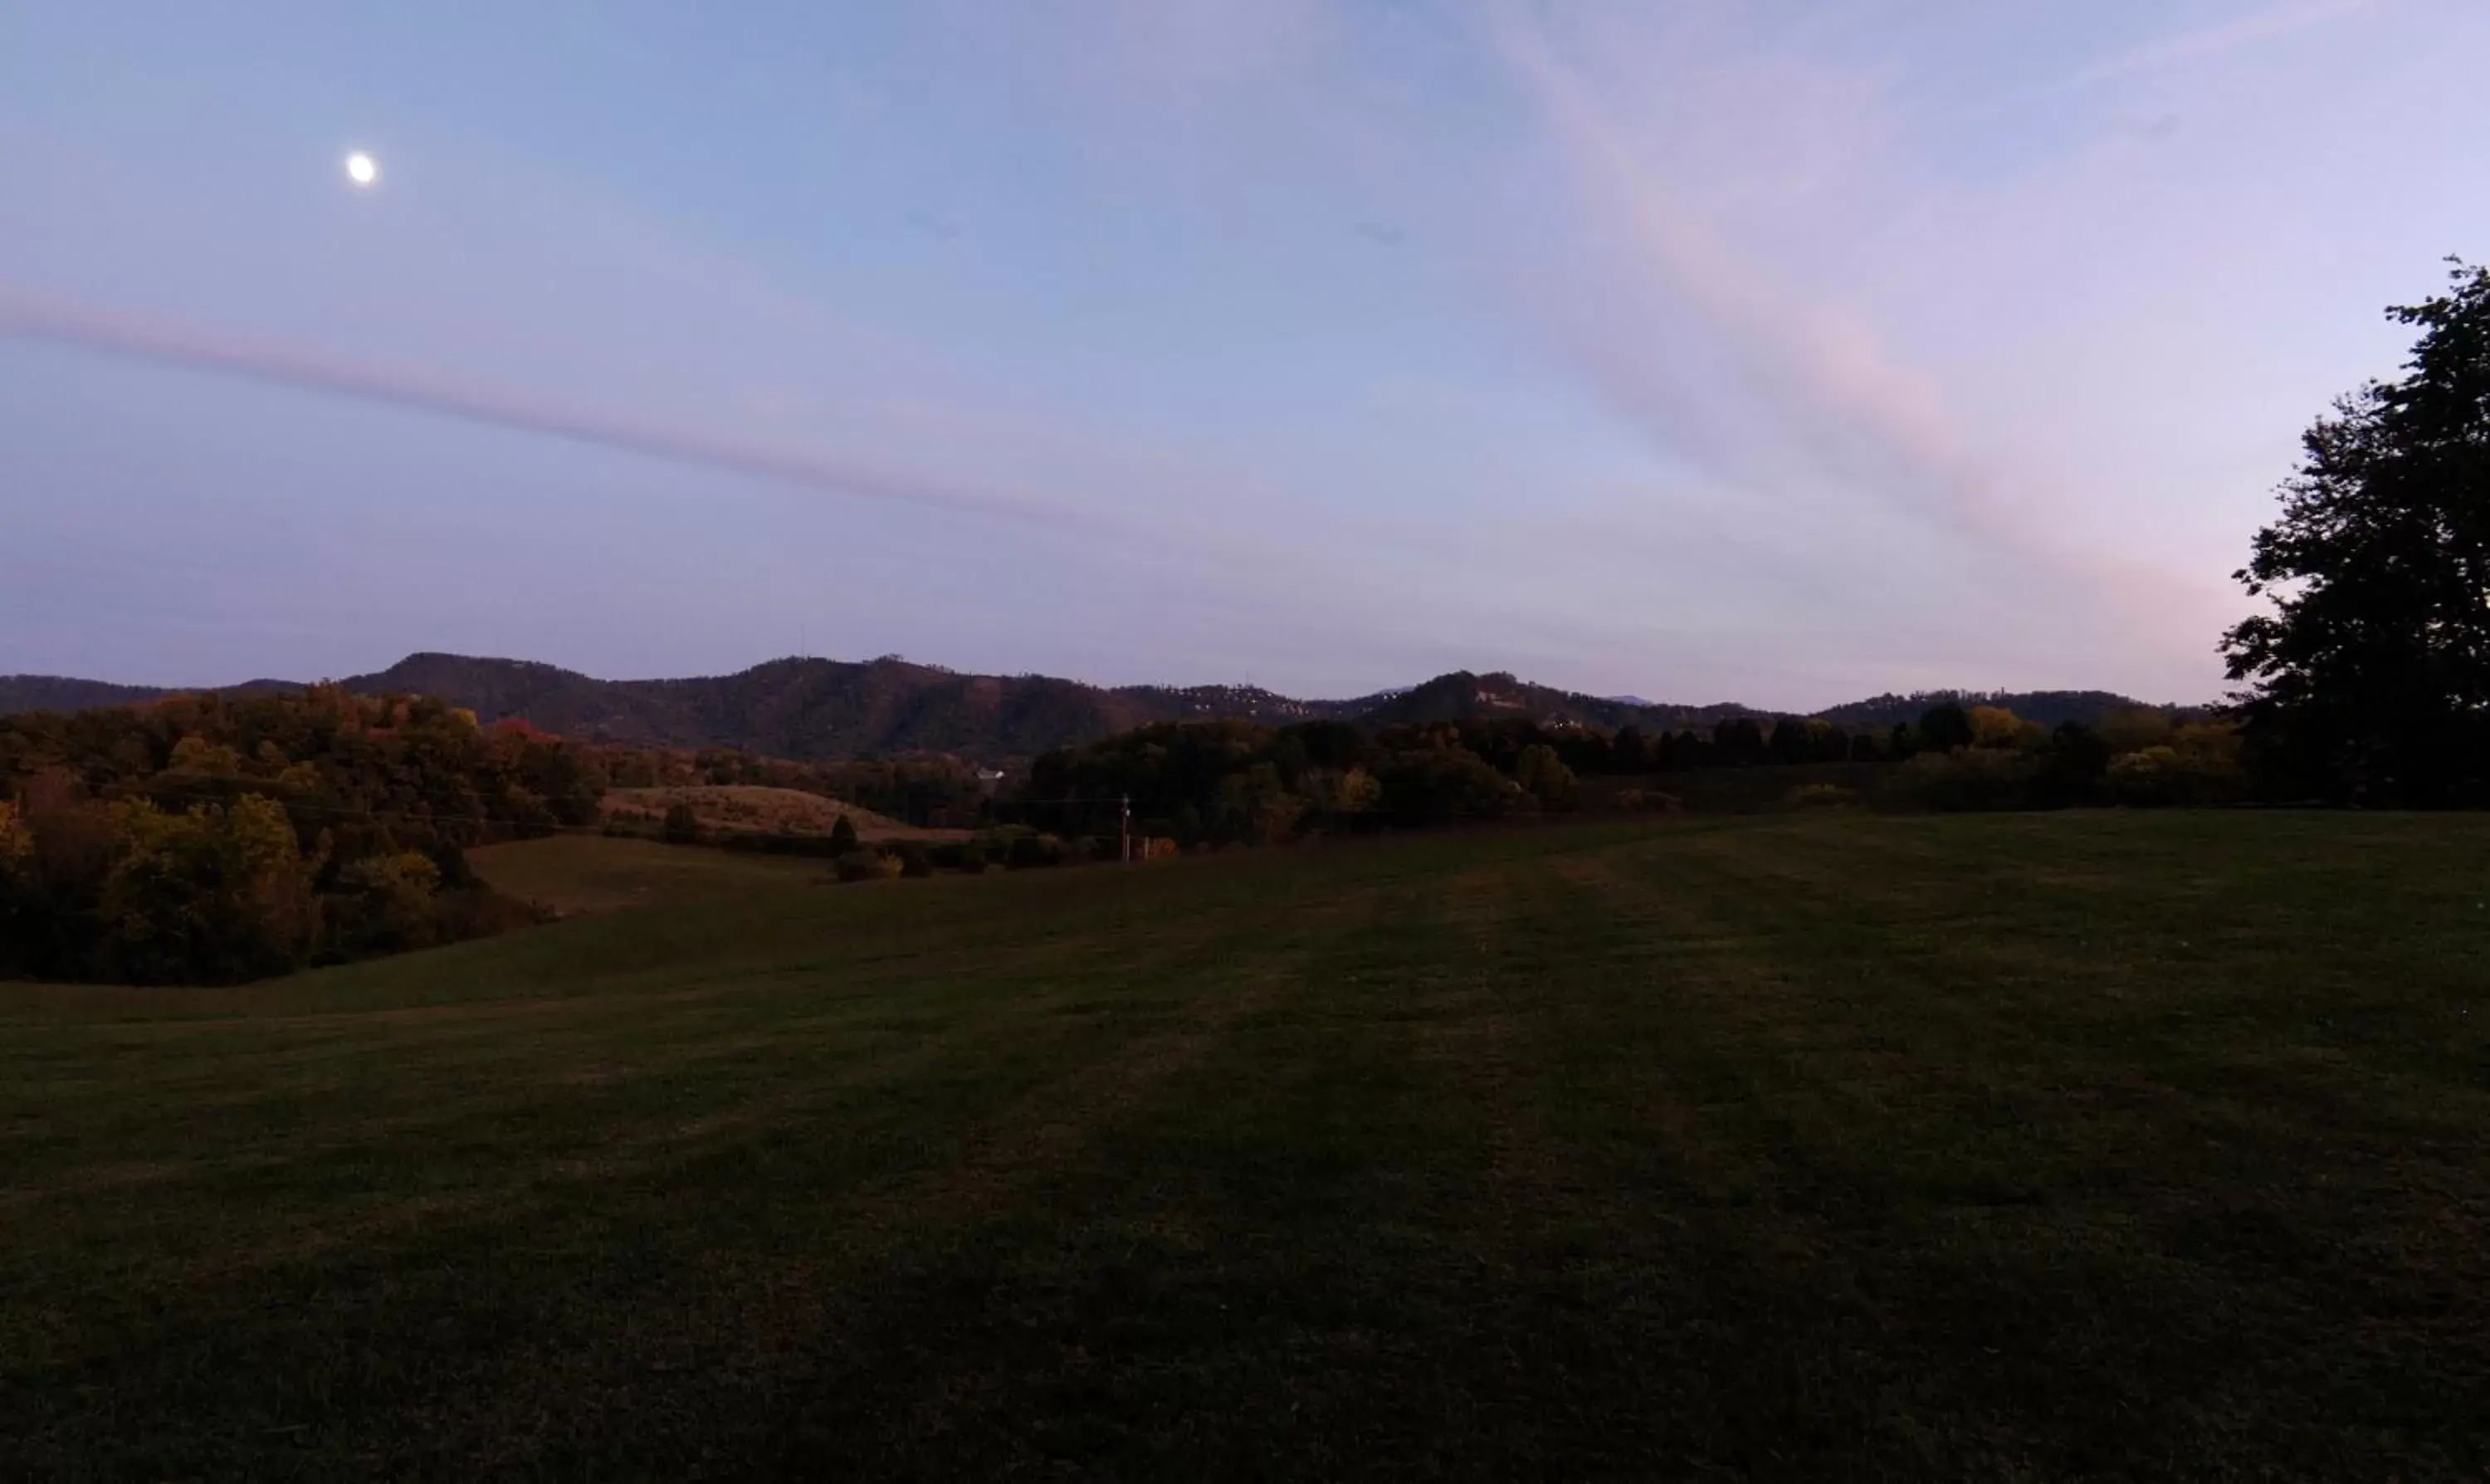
point(1727, 350)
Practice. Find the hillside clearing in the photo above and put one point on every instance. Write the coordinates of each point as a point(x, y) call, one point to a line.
point(731, 807)
point(2045, 1146)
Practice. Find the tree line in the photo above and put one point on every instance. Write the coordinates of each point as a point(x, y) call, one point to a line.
point(219, 837)
point(1231, 782)
point(213, 839)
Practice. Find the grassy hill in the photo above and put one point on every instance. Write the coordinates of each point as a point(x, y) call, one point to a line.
point(2018, 1147)
point(745, 808)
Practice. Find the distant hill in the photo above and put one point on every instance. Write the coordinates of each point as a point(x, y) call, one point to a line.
point(2050, 708)
point(811, 709)
point(60, 693)
point(1462, 694)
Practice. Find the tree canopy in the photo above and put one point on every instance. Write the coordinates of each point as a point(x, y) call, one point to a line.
point(219, 839)
point(2369, 679)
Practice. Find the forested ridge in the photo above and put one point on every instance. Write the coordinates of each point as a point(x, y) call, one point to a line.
point(818, 710)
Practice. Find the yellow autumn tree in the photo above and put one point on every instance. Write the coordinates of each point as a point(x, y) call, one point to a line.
point(217, 892)
point(2134, 729)
point(1994, 726)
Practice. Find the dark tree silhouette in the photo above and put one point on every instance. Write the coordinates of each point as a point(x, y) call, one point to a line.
point(1944, 728)
point(2370, 680)
point(1739, 740)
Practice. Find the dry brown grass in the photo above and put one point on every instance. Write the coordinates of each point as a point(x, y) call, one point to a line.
point(761, 810)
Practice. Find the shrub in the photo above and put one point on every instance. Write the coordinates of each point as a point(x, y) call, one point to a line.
point(1966, 779)
point(1648, 798)
point(2134, 729)
point(1545, 776)
point(379, 904)
point(866, 865)
point(1818, 796)
point(913, 860)
point(2199, 766)
point(1029, 851)
point(1424, 786)
point(682, 825)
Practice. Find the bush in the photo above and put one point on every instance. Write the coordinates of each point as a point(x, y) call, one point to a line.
point(1649, 798)
point(1428, 786)
point(1544, 776)
point(2071, 767)
point(2134, 729)
point(1031, 851)
point(683, 825)
point(1818, 796)
point(1965, 780)
point(913, 860)
point(866, 865)
point(2199, 766)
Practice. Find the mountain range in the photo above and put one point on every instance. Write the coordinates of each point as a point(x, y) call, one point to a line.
point(826, 708)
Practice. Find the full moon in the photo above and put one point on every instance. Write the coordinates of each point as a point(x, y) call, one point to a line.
point(362, 169)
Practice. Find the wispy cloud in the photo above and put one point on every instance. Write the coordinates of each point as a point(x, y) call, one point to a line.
point(192, 349)
point(2181, 50)
point(2204, 42)
point(1791, 395)
point(1828, 382)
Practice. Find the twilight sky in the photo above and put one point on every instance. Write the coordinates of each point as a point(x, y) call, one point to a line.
point(1736, 349)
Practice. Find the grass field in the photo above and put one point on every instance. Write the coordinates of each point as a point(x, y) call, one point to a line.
point(576, 874)
point(2037, 1147)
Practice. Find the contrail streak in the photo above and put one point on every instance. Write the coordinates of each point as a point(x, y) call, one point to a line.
point(282, 366)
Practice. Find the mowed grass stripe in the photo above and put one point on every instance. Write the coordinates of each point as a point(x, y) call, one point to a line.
point(909, 1106)
point(1790, 1147)
point(2140, 1184)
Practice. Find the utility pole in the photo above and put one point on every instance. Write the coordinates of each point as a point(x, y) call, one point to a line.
point(1124, 831)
